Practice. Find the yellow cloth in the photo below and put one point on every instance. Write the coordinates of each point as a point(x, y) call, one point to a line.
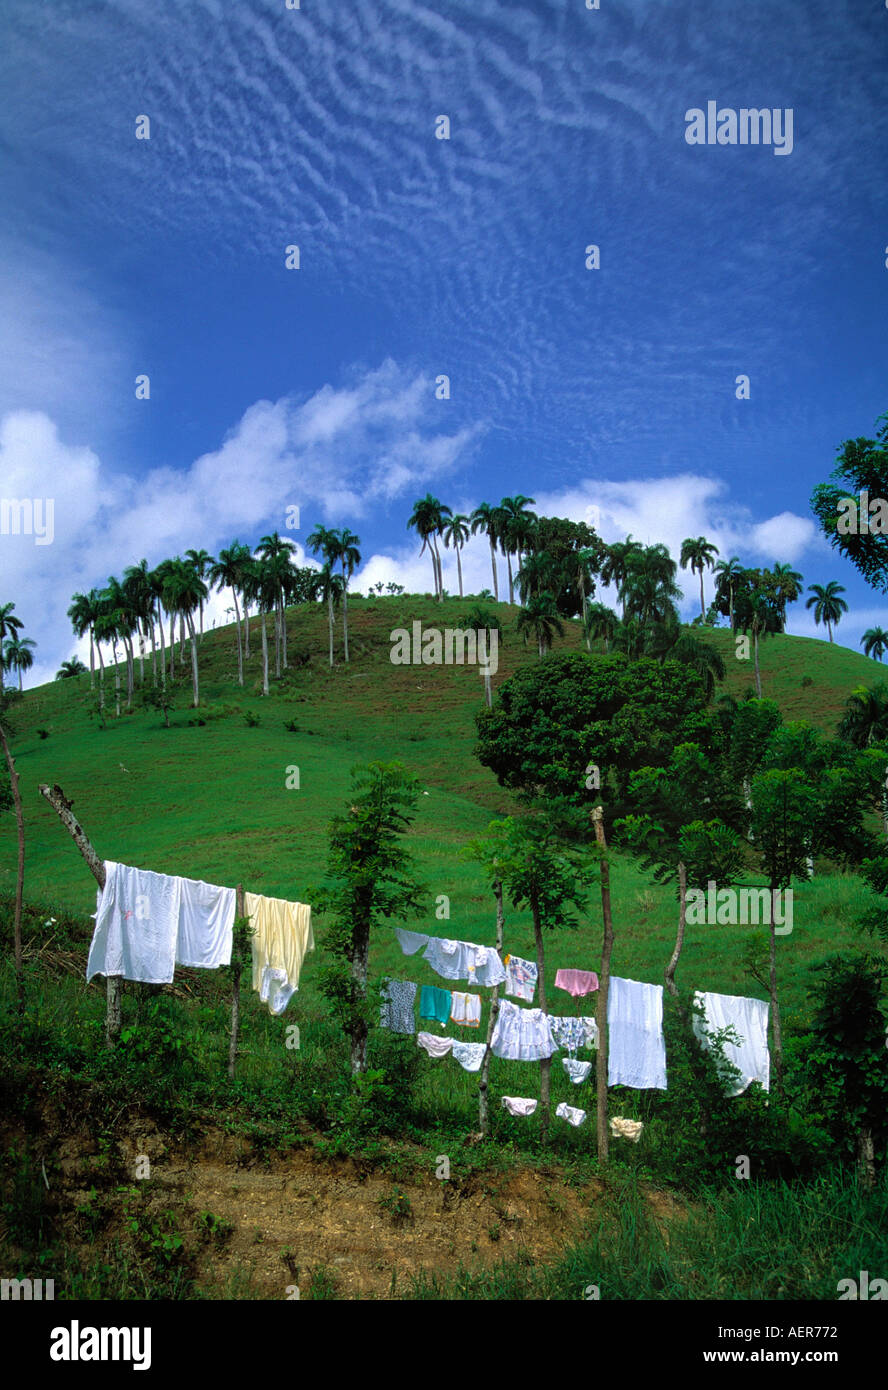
point(282, 936)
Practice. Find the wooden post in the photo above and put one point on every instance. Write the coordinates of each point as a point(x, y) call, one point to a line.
point(679, 939)
point(20, 873)
point(483, 1102)
point(604, 988)
point(113, 983)
point(240, 911)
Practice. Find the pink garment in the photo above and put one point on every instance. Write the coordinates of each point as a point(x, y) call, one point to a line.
point(576, 982)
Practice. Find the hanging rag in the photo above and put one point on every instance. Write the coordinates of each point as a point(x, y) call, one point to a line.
point(147, 923)
point(521, 1035)
point(464, 960)
point(636, 1050)
point(466, 1009)
point(410, 941)
point(577, 1071)
point(521, 977)
point(396, 1012)
point(570, 1032)
point(576, 982)
point(469, 1055)
point(434, 1046)
point(626, 1129)
point(570, 1113)
point(282, 937)
point(749, 1019)
point(434, 1003)
point(519, 1105)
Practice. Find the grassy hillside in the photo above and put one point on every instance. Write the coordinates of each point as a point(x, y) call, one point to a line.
point(209, 800)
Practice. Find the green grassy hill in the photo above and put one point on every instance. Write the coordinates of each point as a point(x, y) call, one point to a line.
point(209, 800)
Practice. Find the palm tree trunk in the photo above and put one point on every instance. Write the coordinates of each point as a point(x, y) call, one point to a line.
point(284, 629)
point(439, 573)
point(194, 677)
point(758, 678)
point(493, 567)
point(240, 650)
point(246, 629)
point(829, 629)
point(330, 622)
point(101, 676)
point(153, 655)
point(509, 567)
point(459, 571)
point(116, 677)
point(262, 618)
point(92, 663)
point(345, 613)
point(702, 609)
point(163, 658)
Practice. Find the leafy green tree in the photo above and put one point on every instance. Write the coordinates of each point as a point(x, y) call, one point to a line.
point(756, 611)
point(370, 879)
point(539, 618)
point(827, 604)
point(542, 873)
point(551, 720)
point(865, 720)
point(615, 565)
point(787, 586)
point(728, 572)
point(849, 1054)
point(601, 624)
point(74, 667)
point(862, 466)
point(18, 655)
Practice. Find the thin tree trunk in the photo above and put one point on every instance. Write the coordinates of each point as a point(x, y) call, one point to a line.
point(194, 674)
point(113, 983)
point(509, 568)
point(607, 946)
point(92, 661)
point(360, 952)
point(153, 656)
point(702, 607)
point(758, 679)
point(262, 623)
point(345, 617)
point(101, 676)
point(240, 650)
point(483, 1084)
point(866, 1163)
point(20, 873)
point(284, 629)
point(679, 939)
point(330, 622)
point(545, 1062)
point(775, 1007)
point(493, 566)
point(116, 677)
point(459, 571)
point(246, 630)
point(235, 991)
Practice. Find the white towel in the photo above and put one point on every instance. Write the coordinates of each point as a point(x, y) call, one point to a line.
point(749, 1019)
point(636, 1050)
point(147, 923)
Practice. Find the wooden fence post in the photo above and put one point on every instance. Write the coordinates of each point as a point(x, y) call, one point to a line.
point(235, 986)
point(483, 1100)
point(113, 983)
point(604, 988)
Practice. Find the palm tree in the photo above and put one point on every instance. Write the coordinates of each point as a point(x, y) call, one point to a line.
point(323, 540)
point(184, 590)
point(760, 623)
point(17, 655)
point(107, 630)
point(347, 553)
point(615, 566)
point(428, 519)
point(277, 552)
point(693, 651)
point(649, 591)
point(203, 562)
point(601, 623)
point(728, 572)
point(228, 572)
point(865, 720)
point(9, 626)
point(828, 607)
point(487, 519)
point(118, 606)
point(875, 642)
point(539, 617)
point(787, 587)
point(514, 514)
point(140, 597)
point(328, 588)
point(481, 619)
point(74, 667)
point(83, 612)
point(261, 585)
point(699, 554)
point(456, 533)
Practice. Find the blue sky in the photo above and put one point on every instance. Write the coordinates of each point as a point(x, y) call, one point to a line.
point(612, 388)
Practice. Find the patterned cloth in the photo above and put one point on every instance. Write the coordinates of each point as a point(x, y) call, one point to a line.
point(521, 977)
point(522, 1035)
point(396, 1012)
point(577, 1071)
point(434, 1003)
point(469, 1055)
point(571, 1033)
point(571, 1114)
point(464, 960)
point(466, 1009)
point(577, 982)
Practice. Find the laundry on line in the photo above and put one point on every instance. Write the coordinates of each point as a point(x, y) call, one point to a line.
point(396, 1011)
point(282, 936)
